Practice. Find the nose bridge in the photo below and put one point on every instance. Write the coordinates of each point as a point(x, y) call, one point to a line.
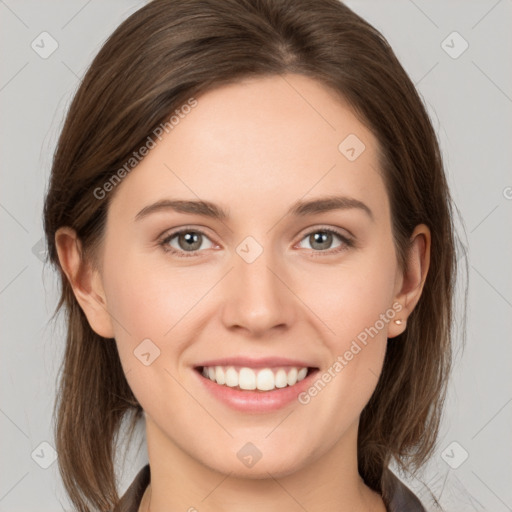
point(257, 299)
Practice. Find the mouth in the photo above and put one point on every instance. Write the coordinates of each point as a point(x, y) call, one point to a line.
point(261, 380)
point(255, 385)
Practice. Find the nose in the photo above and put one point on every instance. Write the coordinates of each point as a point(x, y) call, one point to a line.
point(259, 298)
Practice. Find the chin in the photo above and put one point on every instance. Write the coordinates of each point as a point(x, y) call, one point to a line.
point(250, 463)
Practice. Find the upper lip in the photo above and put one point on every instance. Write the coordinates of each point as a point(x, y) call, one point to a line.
point(251, 362)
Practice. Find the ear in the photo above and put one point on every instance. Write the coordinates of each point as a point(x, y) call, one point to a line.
point(85, 281)
point(409, 283)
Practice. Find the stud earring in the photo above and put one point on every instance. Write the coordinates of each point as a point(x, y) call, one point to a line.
point(399, 322)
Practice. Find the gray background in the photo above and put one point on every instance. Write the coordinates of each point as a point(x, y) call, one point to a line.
point(469, 98)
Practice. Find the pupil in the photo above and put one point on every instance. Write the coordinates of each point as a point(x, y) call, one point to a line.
point(322, 238)
point(192, 239)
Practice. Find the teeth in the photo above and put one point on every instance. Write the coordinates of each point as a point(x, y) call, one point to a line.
point(292, 376)
point(220, 376)
point(231, 378)
point(281, 379)
point(302, 373)
point(263, 379)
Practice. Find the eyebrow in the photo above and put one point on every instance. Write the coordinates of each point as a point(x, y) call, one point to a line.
point(298, 209)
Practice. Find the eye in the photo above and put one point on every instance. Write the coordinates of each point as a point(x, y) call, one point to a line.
point(187, 240)
point(322, 238)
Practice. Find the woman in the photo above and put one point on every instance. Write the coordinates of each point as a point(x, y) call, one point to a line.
point(251, 221)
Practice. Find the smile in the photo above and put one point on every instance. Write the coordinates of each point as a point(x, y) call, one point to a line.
point(263, 387)
point(261, 379)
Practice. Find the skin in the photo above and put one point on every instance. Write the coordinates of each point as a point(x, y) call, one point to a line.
point(253, 148)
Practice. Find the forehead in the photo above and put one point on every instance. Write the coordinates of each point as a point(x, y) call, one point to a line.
point(267, 140)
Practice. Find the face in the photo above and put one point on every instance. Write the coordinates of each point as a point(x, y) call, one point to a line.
point(285, 284)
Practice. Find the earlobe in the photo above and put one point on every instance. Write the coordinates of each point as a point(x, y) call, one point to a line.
point(84, 280)
point(413, 278)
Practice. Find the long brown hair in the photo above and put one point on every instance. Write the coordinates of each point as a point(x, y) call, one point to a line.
point(159, 57)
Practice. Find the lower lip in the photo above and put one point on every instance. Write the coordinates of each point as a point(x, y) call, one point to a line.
point(256, 401)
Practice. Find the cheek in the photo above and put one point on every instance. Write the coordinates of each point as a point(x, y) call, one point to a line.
point(148, 305)
point(354, 302)
point(154, 310)
point(355, 306)
point(147, 300)
point(351, 298)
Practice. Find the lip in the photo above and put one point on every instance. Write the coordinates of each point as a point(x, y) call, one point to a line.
point(250, 362)
point(255, 401)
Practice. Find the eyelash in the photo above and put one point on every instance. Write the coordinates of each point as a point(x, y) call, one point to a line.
point(346, 242)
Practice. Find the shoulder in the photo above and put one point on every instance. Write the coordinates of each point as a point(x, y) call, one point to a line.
point(397, 496)
point(130, 501)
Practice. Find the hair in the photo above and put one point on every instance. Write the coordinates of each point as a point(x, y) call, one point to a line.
point(160, 56)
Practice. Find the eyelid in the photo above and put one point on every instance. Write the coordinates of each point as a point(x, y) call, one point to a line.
point(197, 228)
point(343, 232)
